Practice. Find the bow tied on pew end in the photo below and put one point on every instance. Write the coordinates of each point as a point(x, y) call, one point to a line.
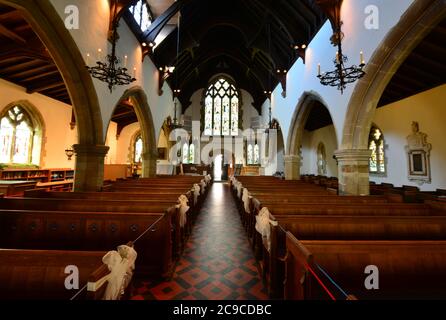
point(183, 208)
point(263, 226)
point(203, 186)
point(196, 190)
point(246, 197)
point(121, 264)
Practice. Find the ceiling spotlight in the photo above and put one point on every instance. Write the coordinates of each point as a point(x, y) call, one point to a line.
point(304, 46)
point(296, 47)
point(151, 44)
point(144, 44)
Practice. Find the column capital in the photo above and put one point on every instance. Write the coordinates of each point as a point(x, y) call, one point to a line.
point(353, 155)
point(291, 158)
point(91, 150)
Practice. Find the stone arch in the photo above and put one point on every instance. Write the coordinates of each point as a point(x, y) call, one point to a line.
point(38, 125)
point(299, 119)
point(416, 23)
point(295, 134)
point(47, 24)
point(141, 106)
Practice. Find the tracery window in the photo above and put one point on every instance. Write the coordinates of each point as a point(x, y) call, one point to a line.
point(137, 157)
point(16, 137)
point(221, 109)
point(141, 14)
point(253, 154)
point(376, 145)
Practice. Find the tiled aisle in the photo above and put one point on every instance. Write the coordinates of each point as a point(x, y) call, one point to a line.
point(217, 264)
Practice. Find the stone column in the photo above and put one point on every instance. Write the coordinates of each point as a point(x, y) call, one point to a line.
point(353, 172)
point(89, 173)
point(292, 167)
point(149, 164)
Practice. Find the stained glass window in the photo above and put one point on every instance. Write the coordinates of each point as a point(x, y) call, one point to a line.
point(16, 136)
point(186, 153)
point(138, 150)
point(376, 145)
point(192, 153)
point(256, 154)
point(250, 156)
point(221, 109)
point(141, 14)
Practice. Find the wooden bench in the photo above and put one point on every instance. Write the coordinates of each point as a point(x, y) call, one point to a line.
point(407, 269)
point(92, 231)
point(40, 274)
point(340, 228)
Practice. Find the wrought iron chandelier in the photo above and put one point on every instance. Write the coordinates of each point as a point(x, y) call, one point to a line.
point(110, 71)
point(341, 75)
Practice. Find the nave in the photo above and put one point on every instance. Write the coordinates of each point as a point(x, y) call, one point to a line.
point(217, 264)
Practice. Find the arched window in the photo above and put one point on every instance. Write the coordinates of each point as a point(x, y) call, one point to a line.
point(142, 15)
point(376, 145)
point(192, 153)
point(321, 160)
point(16, 137)
point(186, 153)
point(221, 109)
point(137, 156)
point(253, 154)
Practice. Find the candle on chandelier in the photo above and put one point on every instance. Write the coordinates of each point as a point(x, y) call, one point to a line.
point(88, 59)
point(99, 54)
point(134, 72)
point(318, 69)
point(361, 57)
point(125, 61)
point(337, 57)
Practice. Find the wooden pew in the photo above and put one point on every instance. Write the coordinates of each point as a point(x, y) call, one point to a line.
point(341, 228)
point(92, 231)
point(40, 274)
point(407, 269)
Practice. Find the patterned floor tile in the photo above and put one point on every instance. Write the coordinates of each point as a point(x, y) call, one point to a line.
point(217, 264)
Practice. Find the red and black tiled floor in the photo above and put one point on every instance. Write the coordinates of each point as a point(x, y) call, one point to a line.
point(217, 263)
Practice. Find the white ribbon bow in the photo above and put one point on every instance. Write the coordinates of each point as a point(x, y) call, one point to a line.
point(263, 226)
point(121, 264)
point(183, 207)
point(245, 200)
point(196, 191)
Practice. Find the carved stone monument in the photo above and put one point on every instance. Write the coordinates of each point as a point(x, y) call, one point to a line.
point(418, 156)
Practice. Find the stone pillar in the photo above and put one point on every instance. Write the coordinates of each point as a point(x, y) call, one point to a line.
point(89, 173)
point(149, 164)
point(353, 172)
point(292, 167)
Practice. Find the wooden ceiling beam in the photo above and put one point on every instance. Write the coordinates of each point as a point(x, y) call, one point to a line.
point(11, 35)
point(49, 84)
point(40, 75)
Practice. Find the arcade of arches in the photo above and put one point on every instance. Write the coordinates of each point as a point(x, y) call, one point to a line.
point(235, 81)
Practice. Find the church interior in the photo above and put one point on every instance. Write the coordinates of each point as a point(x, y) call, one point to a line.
point(222, 150)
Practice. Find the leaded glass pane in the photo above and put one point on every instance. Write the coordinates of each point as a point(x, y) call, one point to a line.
point(373, 159)
point(256, 154)
point(208, 116)
point(234, 116)
point(6, 135)
point(217, 116)
point(226, 121)
point(22, 143)
point(138, 150)
point(381, 156)
point(145, 23)
point(250, 155)
point(192, 153)
point(186, 153)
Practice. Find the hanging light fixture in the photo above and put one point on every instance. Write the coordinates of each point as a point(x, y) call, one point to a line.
point(175, 124)
point(341, 75)
point(69, 152)
point(110, 71)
